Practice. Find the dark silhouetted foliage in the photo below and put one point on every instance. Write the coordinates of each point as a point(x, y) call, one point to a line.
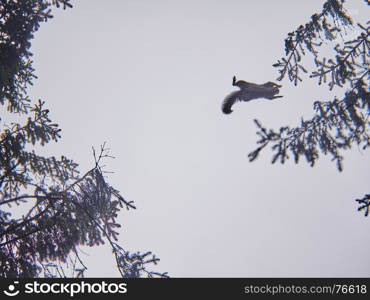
point(340, 123)
point(61, 209)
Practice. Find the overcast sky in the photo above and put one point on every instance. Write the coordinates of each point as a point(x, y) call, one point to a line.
point(148, 77)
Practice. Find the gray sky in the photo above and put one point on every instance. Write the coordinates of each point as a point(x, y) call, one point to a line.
point(148, 77)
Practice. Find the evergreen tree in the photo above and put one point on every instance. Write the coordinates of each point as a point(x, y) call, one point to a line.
point(337, 124)
point(62, 208)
